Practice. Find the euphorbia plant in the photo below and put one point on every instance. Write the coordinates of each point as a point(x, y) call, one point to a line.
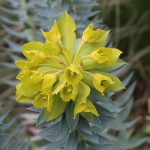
point(63, 73)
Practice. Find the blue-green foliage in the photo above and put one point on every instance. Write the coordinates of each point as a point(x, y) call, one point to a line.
point(5, 139)
point(124, 139)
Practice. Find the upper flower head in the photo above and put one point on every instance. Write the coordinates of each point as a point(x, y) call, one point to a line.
point(89, 35)
point(53, 34)
point(63, 69)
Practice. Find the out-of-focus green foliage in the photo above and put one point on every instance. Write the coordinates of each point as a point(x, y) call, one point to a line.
point(7, 141)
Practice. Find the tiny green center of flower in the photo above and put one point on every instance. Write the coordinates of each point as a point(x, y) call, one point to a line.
point(68, 89)
point(45, 97)
point(105, 83)
point(101, 53)
point(72, 74)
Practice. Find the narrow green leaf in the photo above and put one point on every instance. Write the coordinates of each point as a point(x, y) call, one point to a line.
point(57, 108)
point(90, 137)
point(87, 115)
point(122, 126)
point(115, 66)
point(125, 96)
point(125, 112)
point(58, 144)
point(97, 122)
point(70, 115)
point(67, 27)
point(72, 140)
point(84, 125)
point(63, 126)
point(81, 145)
point(41, 119)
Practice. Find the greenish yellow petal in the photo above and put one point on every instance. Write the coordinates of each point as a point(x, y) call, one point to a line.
point(87, 49)
point(50, 102)
point(21, 64)
point(32, 46)
point(28, 92)
point(90, 36)
point(102, 55)
point(91, 64)
point(112, 87)
point(53, 34)
point(49, 81)
point(90, 108)
point(73, 74)
point(29, 78)
point(101, 82)
point(41, 100)
point(79, 108)
point(57, 109)
point(52, 49)
point(62, 81)
point(39, 84)
point(19, 97)
point(67, 27)
point(83, 92)
point(68, 92)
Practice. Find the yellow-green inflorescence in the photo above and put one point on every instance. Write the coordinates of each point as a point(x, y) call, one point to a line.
point(64, 69)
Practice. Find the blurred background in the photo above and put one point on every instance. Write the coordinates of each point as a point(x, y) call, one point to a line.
point(129, 23)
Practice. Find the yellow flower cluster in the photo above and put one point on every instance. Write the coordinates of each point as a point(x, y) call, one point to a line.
point(63, 69)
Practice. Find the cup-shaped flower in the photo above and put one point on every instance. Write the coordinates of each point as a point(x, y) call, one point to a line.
point(29, 78)
point(102, 55)
point(73, 74)
point(90, 35)
point(101, 82)
point(52, 49)
point(85, 107)
point(68, 92)
point(43, 100)
point(23, 94)
point(53, 34)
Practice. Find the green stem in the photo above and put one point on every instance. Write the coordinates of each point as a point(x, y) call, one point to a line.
point(88, 56)
point(56, 73)
point(85, 72)
point(66, 59)
point(44, 72)
point(79, 50)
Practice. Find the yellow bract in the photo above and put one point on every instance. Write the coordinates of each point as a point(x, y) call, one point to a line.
point(90, 35)
point(53, 34)
point(101, 82)
point(73, 74)
point(62, 69)
point(52, 49)
point(69, 92)
point(102, 55)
